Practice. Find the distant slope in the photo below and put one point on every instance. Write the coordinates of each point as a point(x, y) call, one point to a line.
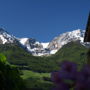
point(72, 51)
point(17, 55)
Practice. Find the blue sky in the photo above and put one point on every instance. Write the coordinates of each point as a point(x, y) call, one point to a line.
point(43, 19)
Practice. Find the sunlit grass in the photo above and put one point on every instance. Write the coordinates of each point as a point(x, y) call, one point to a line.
point(28, 74)
point(35, 80)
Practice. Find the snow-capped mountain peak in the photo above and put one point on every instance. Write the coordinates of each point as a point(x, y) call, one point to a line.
point(65, 38)
point(35, 47)
point(5, 37)
point(39, 48)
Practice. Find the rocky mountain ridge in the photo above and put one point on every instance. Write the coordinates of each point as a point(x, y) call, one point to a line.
point(62, 39)
point(37, 48)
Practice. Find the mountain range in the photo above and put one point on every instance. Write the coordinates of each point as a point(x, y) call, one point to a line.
point(36, 60)
point(30, 54)
point(37, 48)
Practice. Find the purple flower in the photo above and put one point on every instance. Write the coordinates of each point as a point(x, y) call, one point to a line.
point(62, 87)
point(81, 86)
point(86, 71)
point(69, 66)
point(79, 77)
point(68, 70)
point(68, 77)
point(55, 77)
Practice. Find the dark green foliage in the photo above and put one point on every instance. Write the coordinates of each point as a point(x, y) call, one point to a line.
point(18, 56)
point(3, 58)
point(36, 84)
point(9, 77)
point(73, 51)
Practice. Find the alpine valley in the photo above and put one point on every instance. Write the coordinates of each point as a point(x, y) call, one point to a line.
point(36, 60)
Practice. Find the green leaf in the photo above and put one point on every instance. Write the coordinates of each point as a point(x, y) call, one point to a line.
point(2, 58)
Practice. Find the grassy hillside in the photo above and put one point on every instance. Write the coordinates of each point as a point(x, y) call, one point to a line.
point(18, 56)
point(73, 51)
point(36, 70)
point(37, 81)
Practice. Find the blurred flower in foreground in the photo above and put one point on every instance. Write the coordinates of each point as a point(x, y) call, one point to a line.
point(69, 66)
point(69, 78)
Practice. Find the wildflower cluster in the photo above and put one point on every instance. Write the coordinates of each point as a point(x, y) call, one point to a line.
point(69, 78)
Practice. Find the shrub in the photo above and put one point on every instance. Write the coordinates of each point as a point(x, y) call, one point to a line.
point(70, 78)
point(9, 76)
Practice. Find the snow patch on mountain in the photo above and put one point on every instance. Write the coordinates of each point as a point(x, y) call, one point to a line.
point(37, 48)
point(62, 39)
point(53, 51)
point(23, 40)
point(45, 45)
point(5, 37)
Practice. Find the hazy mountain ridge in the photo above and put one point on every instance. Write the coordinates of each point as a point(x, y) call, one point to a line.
point(39, 48)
